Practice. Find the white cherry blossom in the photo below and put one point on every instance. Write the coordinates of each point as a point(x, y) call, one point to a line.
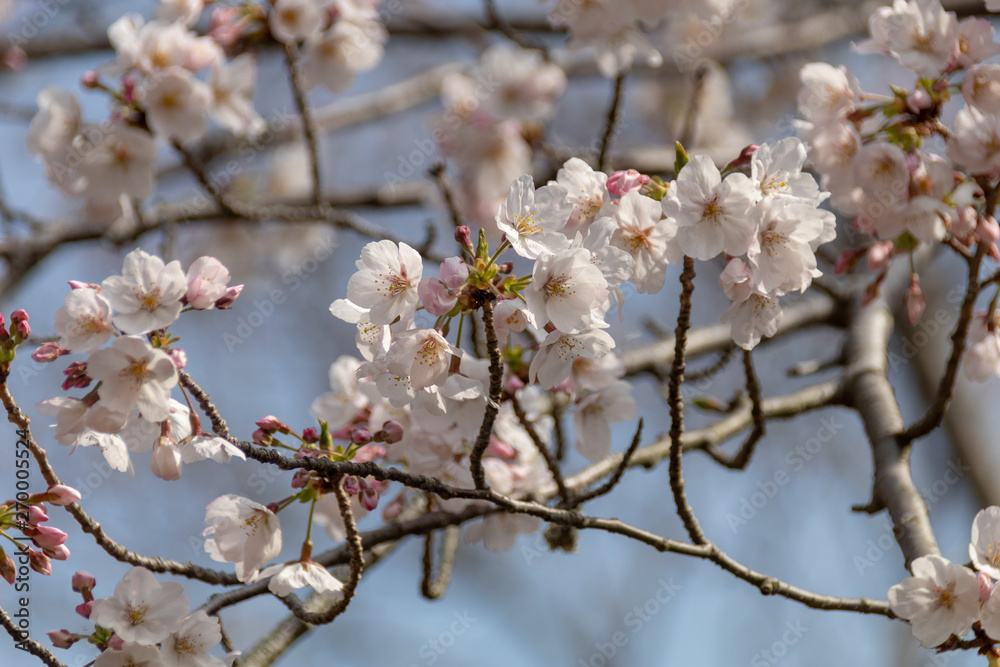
point(232, 84)
point(333, 57)
point(974, 141)
point(756, 317)
point(564, 289)
point(984, 550)
point(142, 609)
point(84, 321)
point(386, 281)
point(242, 531)
point(131, 655)
point(647, 238)
point(920, 34)
point(295, 20)
point(981, 358)
point(117, 161)
point(533, 219)
point(594, 413)
point(188, 645)
point(586, 190)
point(941, 599)
point(340, 406)
point(147, 296)
point(712, 214)
point(177, 105)
point(291, 576)
point(781, 255)
point(134, 374)
point(553, 362)
point(423, 355)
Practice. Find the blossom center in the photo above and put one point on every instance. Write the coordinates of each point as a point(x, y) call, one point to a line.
point(135, 614)
point(137, 372)
point(528, 223)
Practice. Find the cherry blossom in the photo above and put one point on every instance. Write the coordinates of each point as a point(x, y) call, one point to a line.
point(532, 219)
point(564, 289)
point(131, 655)
point(142, 609)
point(588, 192)
point(940, 600)
point(299, 574)
point(553, 362)
point(423, 355)
point(711, 213)
point(593, 414)
point(232, 85)
point(117, 161)
point(975, 135)
point(207, 281)
point(84, 322)
point(333, 57)
point(756, 317)
point(295, 20)
point(132, 373)
point(985, 547)
point(386, 281)
point(344, 402)
point(188, 645)
point(780, 254)
point(177, 105)
point(647, 238)
point(920, 34)
point(981, 358)
point(147, 296)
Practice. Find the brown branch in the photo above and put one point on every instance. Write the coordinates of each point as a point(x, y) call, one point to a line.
point(493, 401)
point(308, 125)
point(935, 414)
point(21, 638)
point(611, 120)
point(357, 563)
point(434, 587)
point(550, 460)
point(741, 458)
point(684, 510)
point(616, 476)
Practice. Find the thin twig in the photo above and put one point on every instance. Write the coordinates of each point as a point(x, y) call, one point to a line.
point(550, 460)
point(493, 403)
point(684, 510)
point(935, 414)
point(434, 587)
point(498, 23)
point(357, 567)
point(611, 120)
point(616, 476)
point(438, 173)
point(687, 134)
point(308, 125)
point(21, 638)
point(739, 460)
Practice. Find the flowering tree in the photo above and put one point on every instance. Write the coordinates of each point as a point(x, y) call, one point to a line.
point(488, 359)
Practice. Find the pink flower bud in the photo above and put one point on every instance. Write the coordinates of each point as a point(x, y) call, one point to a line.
point(261, 437)
point(8, 569)
point(90, 79)
point(39, 562)
point(62, 495)
point(915, 301)
point(500, 449)
point(351, 485)
point(392, 432)
point(435, 295)
point(226, 302)
point(128, 90)
point(987, 229)
point(361, 436)
point(964, 222)
point(84, 608)
point(63, 638)
point(60, 552)
point(919, 100)
point(116, 643)
point(310, 435)
point(19, 316)
point(47, 536)
point(512, 383)
point(985, 586)
point(464, 238)
point(36, 515)
point(225, 26)
point(76, 376)
point(76, 284)
point(47, 352)
point(207, 278)
point(83, 582)
point(300, 479)
point(880, 255)
point(621, 182)
point(272, 424)
point(369, 498)
point(454, 272)
point(505, 268)
point(23, 330)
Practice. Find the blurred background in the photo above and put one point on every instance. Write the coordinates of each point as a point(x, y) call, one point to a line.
point(528, 606)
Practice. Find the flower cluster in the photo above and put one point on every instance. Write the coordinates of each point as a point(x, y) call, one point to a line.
point(167, 82)
point(144, 623)
point(130, 407)
point(872, 150)
point(26, 515)
point(943, 599)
